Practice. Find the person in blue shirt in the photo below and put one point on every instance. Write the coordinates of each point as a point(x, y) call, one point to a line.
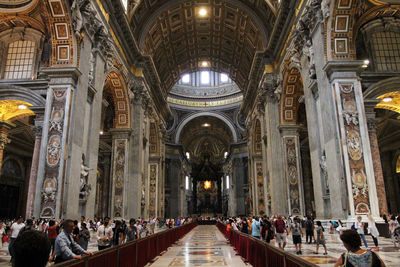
point(65, 246)
point(255, 228)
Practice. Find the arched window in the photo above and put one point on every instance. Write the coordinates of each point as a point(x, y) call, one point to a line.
point(20, 51)
point(380, 43)
point(19, 62)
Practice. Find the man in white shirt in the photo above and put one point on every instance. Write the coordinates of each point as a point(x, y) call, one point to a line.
point(104, 234)
point(15, 228)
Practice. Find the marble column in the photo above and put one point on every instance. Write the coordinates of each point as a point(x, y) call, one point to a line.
point(53, 186)
point(136, 188)
point(376, 157)
point(293, 173)
point(353, 131)
point(37, 129)
point(120, 158)
point(275, 156)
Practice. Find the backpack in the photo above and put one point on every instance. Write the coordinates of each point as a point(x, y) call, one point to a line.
point(280, 226)
point(353, 227)
point(396, 232)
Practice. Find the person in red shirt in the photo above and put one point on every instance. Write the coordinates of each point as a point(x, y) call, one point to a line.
point(52, 235)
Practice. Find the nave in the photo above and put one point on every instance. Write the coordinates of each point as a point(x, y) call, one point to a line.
point(203, 246)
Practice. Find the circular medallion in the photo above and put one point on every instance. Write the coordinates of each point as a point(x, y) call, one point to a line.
point(359, 180)
point(354, 145)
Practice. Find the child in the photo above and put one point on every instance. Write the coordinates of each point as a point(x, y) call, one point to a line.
point(297, 233)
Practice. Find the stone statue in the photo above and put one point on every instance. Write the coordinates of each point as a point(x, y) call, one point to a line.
point(278, 88)
point(84, 188)
point(324, 171)
point(77, 20)
point(325, 7)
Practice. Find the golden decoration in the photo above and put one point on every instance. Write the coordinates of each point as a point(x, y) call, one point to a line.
point(207, 185)
point(11, 110)
point(393, 105)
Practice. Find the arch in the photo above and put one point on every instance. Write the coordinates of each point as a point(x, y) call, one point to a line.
point(12, 92)
point(62, 39)
point(382, 87)
point(117, 85)
point(201, 114)
point(292, 90)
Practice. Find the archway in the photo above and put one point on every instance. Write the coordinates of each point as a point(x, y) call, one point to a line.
point(115, 114)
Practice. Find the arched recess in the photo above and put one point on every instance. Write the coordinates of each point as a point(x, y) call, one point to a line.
point(62, 39)
point(293, 90)
point(52, 18)
point(200, 114)
point(117, 86)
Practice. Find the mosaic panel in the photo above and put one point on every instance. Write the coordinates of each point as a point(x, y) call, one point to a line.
point(292, 174)
point(54, 152)
point(153, 189)
point(119, 176)
point(260, 188)
point(353, 144)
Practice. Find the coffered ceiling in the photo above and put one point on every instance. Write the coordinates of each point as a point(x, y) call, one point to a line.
point(179, 39)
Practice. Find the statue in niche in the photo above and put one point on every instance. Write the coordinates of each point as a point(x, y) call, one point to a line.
point(278, 88)
point(77, 20)
point(85, 187)
point(324, 171)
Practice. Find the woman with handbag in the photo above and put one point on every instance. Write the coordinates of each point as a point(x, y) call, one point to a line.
point(355, 256)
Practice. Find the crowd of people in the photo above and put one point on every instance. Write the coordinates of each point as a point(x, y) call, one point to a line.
point(278, 228)
point(62, 240)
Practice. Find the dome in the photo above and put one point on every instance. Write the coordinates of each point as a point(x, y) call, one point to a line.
point(205, 89)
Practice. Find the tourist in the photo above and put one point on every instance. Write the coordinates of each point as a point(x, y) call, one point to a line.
point(118, 234)
point(393, 225)
point(309, 230)
point(255, 228)
point(3, 235)
point(373, 231)
point(66, 248)
point(131, 232)
point(52, 233)
point(320, 238)
point(104, 234)
point(244, 226)
point(28, 226)
point(14, 231)
point(31, 248)
point(341, 227)
point(84, 236)
point(355, 256)
point(269, 233)
point(280, 232)
point(297, 233)
point(144, 231)
point(75, 232)
point(359, 226)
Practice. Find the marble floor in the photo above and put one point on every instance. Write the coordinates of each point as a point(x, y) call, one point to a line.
point(203, 246)
point(206, 246)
